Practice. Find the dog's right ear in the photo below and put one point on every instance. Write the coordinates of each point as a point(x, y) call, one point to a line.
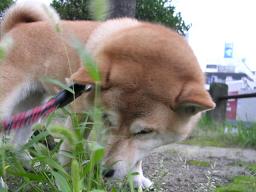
point(194, 99)
point(81, 76)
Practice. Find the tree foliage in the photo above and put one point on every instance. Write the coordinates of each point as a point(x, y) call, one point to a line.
point(159, 11)
point(3, 5)
point(72, 9)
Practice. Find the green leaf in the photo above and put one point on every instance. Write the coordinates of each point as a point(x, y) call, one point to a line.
point(61, 182)
point(98, 9)
point(30, 176)
point(35, 139)
point(90, 66)
point(98, 155)
point(41, 149)
point(59, 84)
point(97, 152)
point(5, 44)
point(75, 176)
point(53, 165)
point(88, 62)
point(2, 53)
point(130, 177)
point(64, 133)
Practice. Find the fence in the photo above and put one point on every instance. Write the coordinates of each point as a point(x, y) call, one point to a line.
point(219, 93)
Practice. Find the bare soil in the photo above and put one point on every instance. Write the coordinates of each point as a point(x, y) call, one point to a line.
point(170, 170)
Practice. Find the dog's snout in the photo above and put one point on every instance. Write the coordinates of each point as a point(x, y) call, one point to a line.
point(108, 173)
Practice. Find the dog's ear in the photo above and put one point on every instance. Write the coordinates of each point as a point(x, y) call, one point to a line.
point(81, 76)
point(194, 99)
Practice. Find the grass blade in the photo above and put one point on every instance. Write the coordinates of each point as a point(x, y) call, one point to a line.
point(75, 176)
point(61, 182)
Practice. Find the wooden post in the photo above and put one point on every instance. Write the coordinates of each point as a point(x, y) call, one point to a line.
point(218, 90)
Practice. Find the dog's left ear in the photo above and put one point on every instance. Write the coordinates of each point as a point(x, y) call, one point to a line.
point(81, 76)
point(194, 99)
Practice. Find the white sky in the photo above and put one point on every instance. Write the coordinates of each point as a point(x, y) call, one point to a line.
point(215, 22)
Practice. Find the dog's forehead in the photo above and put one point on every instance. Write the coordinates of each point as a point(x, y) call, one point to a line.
point(136, 101)
point(143, 85)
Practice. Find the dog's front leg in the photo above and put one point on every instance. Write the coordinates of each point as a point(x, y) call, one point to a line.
point(140, 180)
point(20, 138)
point(65, 146)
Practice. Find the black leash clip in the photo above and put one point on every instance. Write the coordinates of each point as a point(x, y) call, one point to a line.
point(65, 97)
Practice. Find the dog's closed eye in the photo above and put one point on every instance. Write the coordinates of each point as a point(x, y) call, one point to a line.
point(140, 128)
point(143, 132)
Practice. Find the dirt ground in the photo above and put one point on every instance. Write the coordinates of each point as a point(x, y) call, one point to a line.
point(170, 170)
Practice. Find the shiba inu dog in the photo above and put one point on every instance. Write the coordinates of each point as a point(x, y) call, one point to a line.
point(152, 87)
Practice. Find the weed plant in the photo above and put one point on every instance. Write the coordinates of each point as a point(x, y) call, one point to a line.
point(228, 134)
point(83, 171)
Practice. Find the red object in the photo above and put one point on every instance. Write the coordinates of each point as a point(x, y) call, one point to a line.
point(33, 115)
point(29, 117)
point(232, 107)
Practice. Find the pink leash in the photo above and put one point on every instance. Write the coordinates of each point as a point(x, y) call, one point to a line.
point(33, 115)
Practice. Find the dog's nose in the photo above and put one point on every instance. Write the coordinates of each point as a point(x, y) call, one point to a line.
point(108, 173)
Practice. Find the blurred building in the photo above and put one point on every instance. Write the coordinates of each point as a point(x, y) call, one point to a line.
point(240, 80)
point(236, 80)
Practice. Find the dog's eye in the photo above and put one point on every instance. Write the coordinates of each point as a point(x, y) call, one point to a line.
point(144, 131)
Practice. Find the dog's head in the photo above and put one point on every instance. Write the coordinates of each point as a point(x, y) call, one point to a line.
point(152, 91)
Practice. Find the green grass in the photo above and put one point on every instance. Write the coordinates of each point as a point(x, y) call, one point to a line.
point(239, 184)
point(198, 163)
point(249, 166)
point(209, 133)
point(252, 168)
point(83, 173)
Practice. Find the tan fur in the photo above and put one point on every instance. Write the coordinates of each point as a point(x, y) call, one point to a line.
point(151, 79)
point(21, 13)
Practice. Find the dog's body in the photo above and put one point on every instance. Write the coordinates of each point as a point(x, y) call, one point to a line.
point(152, 86)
